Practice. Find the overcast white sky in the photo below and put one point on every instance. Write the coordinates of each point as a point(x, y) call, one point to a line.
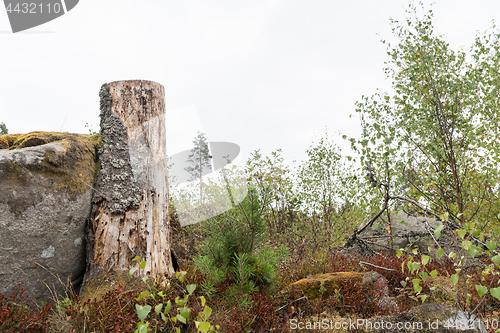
point(261, 74)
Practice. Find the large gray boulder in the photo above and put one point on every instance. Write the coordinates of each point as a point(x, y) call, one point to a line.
point(46, 189)
point(403, 231)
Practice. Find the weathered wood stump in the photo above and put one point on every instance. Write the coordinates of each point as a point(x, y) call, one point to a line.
point(130, 205)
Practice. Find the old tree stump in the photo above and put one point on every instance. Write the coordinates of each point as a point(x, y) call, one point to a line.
point(130, 205)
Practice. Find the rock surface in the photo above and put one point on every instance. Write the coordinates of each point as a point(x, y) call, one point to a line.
point(403, 231)
point(45, 181)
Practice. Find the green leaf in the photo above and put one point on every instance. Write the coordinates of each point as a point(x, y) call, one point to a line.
point(437, 231)
point(454, 278)
point(433, 273)
point(496, 259)
point(143, 264)
point(132, 271)
point(423, 275)
point(190, 288)
point(452, 255)
point(207, 311)
point(158, 309)
point(424, 297)
point(163, 317)
point(143, 328)
point(495, 292)
point(180, 275)
point(461, 233)
point(136, 258)
point(416, 285)
point(472, 250)
point(142, 311)
point(168, 307)
point(491, 246)
point(185, 312)
point(142, 295)
point(425, 259)
point(440, 253)
point(445, 216)
point(476, 233)
point(202, 298)
point(481, 290)
point(180, 318)
point(203, 327)
point(399, 253)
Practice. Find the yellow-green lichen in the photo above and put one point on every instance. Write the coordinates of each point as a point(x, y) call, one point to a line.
point(73, 170)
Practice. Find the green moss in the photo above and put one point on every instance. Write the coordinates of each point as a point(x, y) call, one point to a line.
point(73, 170)
point(10, 139)
point(104, 283)
point(4, 144)
point(330, 281)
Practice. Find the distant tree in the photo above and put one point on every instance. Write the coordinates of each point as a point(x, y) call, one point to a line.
point(199, 159)
point(272, 179)
point(326, 184)
point(3, 129)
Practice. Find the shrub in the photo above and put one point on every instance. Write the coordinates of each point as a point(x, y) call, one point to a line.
point(17, 316)
point(234, 250)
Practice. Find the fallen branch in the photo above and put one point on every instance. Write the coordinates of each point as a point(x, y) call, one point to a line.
point(367, 263)
point(284, 306)
point(371, 221)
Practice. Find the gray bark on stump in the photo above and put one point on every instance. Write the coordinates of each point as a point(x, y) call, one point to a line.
point(130, 206)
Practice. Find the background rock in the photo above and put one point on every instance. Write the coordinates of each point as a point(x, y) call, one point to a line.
point(44, 203)
point(328, 284)
point(403, 231)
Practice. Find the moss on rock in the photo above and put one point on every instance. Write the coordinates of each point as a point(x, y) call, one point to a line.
point(4, 144)
point(10, 139)
point(326, 284)
point(106, 282)
point(72, 169)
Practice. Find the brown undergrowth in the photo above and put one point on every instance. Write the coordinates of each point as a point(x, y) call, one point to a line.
point(270, 310)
